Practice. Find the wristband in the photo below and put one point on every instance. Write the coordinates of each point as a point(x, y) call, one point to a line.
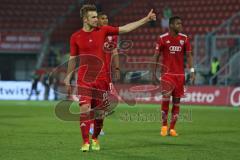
point(192, 70)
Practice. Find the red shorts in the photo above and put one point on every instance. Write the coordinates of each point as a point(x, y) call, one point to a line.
point(173, 84)
point(94, 93)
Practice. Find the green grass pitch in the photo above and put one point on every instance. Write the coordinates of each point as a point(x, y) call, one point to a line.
point(31, 131)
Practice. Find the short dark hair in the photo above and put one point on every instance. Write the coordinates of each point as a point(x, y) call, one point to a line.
point(86, 8)
point(101, 14)
point(173, 19)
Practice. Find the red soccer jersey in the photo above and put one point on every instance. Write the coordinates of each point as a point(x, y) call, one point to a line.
point(109, 45)
point(89, 46)
point(172, 50)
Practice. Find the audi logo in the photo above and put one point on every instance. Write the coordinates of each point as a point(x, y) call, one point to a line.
point(175, 48)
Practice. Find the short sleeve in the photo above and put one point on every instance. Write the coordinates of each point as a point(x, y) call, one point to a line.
point(73, 46)
point(109, 30)
point(188, 47)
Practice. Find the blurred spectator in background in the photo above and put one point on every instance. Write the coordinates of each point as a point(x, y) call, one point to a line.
point(167, 13)
point(47, 82)
point(215, 67)
point(56, 83)
point(52, 58)
point(35, 80)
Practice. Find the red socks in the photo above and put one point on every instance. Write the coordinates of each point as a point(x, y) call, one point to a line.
point(175, 114)
point(165, 107)
point(85, 126)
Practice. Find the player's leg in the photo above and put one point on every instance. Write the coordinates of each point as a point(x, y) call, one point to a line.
point(98, 122)
point(85, 120)
point(33, 90)
point(167, 87)
point(175, 115)
point(91, 130)
point(97, 125)
point(95, 104)
point(101, 102)
point(177, 94)
point(85, 102)
point(29, 96)
point(164, 111)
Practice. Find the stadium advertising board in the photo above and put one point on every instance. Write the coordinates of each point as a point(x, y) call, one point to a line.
point(14, 90)
point(20, 42)
point(204, 95)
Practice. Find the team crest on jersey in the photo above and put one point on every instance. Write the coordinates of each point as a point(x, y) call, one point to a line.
point(181, 42)
point(110, 38)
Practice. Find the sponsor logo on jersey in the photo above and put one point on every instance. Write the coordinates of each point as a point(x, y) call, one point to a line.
point(168, 42)
point(174, 49)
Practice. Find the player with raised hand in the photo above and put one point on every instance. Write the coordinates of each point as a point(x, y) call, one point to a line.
point(93, 82)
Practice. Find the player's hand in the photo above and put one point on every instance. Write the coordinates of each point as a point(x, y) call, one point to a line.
point(151, 16)
point(192, 78)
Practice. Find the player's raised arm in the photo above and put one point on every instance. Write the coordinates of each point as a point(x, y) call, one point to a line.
point(134, 25)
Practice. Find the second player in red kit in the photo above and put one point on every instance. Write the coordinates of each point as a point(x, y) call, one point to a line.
point(171, 48)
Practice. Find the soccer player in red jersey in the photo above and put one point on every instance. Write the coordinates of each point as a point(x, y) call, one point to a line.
point(93, 82)
point(110, 49)
point(170, 48)
point(111, 52)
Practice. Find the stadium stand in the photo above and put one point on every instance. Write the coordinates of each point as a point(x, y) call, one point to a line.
point(200, 18)
point(31, 14)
